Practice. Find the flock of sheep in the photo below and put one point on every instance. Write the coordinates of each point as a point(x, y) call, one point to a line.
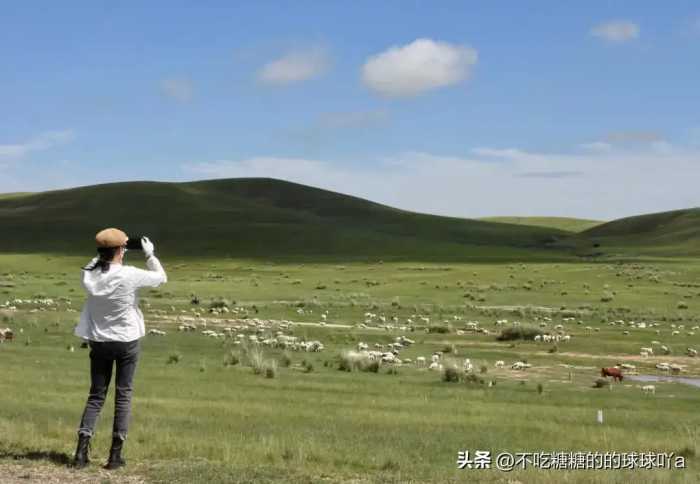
point(251, 331)
point(271, 333)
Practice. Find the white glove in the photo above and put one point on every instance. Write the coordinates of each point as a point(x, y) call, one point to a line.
point(148, 247)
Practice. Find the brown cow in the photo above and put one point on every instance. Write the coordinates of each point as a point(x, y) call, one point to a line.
point(613, 372)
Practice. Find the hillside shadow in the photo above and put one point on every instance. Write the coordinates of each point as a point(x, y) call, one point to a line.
point(59, 458)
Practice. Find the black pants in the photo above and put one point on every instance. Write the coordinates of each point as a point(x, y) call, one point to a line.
point(103, 355)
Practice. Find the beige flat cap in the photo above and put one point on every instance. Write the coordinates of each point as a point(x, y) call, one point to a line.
point(111, 238)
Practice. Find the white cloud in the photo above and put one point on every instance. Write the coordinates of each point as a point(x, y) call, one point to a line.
point(633, 137)
point(616, 31)
point(603, 185)
point(422, 65)
point(599, 146)
point(296, 66)
point(40, 142)
point(629, 141)
point(178, 89)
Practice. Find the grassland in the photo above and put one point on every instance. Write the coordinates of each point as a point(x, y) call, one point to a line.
point(568, 224)
point(260, 218)
point(675, 233)
point(200, 421)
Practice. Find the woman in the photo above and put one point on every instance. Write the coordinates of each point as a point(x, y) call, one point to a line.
point(112, 323)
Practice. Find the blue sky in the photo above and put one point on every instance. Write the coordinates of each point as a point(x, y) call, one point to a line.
point(583, 109)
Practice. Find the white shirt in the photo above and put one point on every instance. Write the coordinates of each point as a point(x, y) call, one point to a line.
point(111, 311)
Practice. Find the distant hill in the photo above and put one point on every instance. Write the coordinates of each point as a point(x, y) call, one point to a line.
point(675, 233)
point(255, 217)
point(12, 195)
point(561, 223)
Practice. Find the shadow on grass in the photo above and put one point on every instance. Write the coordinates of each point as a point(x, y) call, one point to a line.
point(60, 458)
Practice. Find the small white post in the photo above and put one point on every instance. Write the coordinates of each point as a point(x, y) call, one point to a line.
point(600, 416)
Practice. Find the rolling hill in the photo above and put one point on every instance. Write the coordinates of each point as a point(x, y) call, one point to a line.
point(254, 217)
point(561, 223)
point(675, 233)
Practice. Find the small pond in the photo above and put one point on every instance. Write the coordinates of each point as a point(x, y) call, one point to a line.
point(678, 379)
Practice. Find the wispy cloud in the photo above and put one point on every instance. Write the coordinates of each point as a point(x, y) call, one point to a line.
point(599, 146)
point(633, 137)
point(41, 142)
point(420, 66)
point(616, 31)
point(179, 89)
point(494, 181)
point(296, 66)
point(549, 174)
point(628, 140)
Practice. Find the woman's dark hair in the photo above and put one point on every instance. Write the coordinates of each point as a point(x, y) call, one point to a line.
point(106, 255)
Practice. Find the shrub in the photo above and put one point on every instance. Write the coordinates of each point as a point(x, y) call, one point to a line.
point(285, 360)
point(519, 332)
point(682, 305)
point(484, 369)
point(601, 383)
point(308, 366)
point(438, 329)
point(390, 465)
point(540, 388)
point(220, 303)
point(472, 379)
point(231, 359)
point(451, 374)
point(270, 367)
point(255, 360)
point(174, 358)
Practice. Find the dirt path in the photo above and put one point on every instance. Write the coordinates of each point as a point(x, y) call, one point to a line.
point(25, 471)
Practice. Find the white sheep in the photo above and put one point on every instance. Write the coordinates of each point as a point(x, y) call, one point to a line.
point(500, 364)
point(649, 389)
point(420, 361)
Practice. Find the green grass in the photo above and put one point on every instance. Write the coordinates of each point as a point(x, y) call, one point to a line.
point(202, 421)
point(262, 218)
point(568, 224)
point(13, 194)
point(671, 234)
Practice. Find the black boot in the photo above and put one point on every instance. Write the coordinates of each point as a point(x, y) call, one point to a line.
point(81, 453)
point(115, 454)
